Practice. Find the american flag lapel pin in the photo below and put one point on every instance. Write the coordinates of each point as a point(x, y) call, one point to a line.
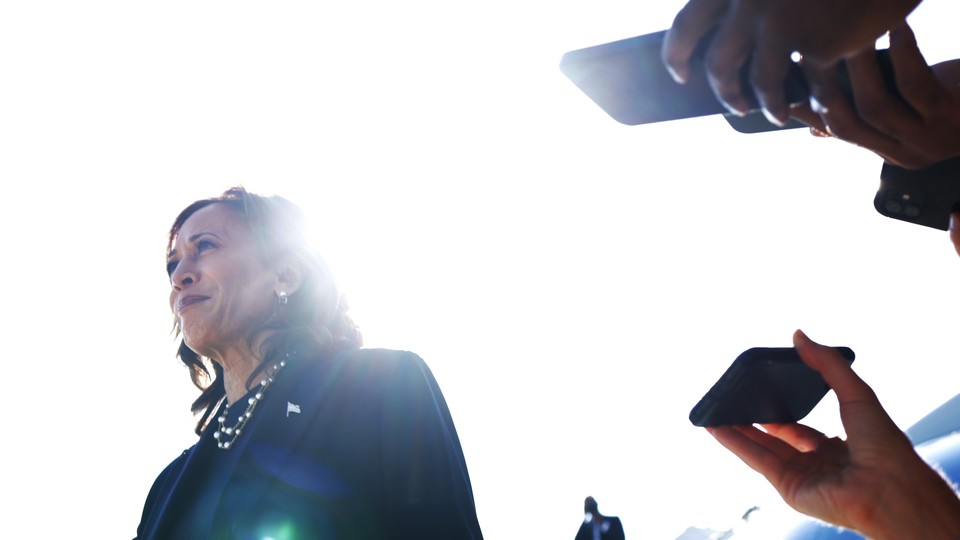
point(292, 408)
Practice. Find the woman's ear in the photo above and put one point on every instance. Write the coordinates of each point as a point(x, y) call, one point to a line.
point(290, 272)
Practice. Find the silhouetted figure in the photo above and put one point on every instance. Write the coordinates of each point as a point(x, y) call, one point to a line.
point(597, 526)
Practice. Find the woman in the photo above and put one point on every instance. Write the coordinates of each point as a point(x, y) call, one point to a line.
point(303, 434)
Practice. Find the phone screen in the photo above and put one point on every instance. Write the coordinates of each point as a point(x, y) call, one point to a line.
point(763, 386)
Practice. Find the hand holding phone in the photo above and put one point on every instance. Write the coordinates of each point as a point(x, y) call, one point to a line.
point(628, 80)
point(763, 386)
point(839, 479)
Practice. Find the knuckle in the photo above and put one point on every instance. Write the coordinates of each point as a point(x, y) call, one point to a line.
point(720, 73)
point(841, 128)
point(694, 13)
point(873, 113)
point(683, 21)
point(919, 91)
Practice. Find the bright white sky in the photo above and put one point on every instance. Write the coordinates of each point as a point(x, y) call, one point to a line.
point(575, 284)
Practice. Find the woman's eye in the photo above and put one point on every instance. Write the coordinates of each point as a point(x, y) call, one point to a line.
point(204, 245)
point(198, 247)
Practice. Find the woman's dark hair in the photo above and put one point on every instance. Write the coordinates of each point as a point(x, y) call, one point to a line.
point(313, 322)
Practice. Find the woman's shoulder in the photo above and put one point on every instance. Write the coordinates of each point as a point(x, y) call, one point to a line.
point(380, 358)
point(365, 366)
point(367, 375)
point(380, 364)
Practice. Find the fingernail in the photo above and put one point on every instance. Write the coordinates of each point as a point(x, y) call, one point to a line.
point(733, 110)
point(953, 221)
point(773, 118)
point(711, 430)
point(800, 335)
point(818, 107)
point(677, 77)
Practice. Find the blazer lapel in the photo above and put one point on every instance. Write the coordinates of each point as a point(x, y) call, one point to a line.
point(177, 488)
point(280, 424)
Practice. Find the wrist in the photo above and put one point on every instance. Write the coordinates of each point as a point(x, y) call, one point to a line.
point(921, 506)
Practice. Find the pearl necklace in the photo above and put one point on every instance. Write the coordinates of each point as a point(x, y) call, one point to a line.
point(226, 435)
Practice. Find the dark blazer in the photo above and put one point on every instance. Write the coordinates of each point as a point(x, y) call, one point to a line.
point(372, 453)
point(610, 529)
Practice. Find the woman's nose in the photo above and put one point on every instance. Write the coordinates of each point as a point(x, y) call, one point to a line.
point(183, 275)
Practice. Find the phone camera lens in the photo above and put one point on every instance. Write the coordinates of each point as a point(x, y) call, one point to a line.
point(912, 211)
point(893, 206)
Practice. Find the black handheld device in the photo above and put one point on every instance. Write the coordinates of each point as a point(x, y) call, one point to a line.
point(922, 196)
point(764, 385)
point(628, 80)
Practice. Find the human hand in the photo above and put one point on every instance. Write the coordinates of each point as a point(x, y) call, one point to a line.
point(767, 32)
point(919, 128)
point(873, 482)
point(955, 231)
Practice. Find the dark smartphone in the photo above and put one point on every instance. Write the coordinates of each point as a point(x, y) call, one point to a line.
point(764, 385)
point(628, 80)
point(922, 196)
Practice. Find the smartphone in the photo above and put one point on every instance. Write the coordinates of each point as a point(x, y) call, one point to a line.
point(922, 196)
point(764, 385)
point(628, 80)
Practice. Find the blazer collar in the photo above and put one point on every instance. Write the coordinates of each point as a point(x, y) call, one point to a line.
point(281, 420)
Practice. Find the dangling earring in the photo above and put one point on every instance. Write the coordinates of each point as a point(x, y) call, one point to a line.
point(282, 298)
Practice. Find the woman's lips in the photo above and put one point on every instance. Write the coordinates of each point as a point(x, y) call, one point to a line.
point(189, 301)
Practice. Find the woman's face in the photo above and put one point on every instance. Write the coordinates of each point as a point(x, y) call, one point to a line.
point(222, 290)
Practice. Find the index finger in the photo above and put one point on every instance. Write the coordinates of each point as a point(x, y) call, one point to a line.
point(690, 26)
point(833, 367)
point(861, 413)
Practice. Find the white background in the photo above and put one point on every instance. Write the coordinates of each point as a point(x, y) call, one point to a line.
point(575, 284)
